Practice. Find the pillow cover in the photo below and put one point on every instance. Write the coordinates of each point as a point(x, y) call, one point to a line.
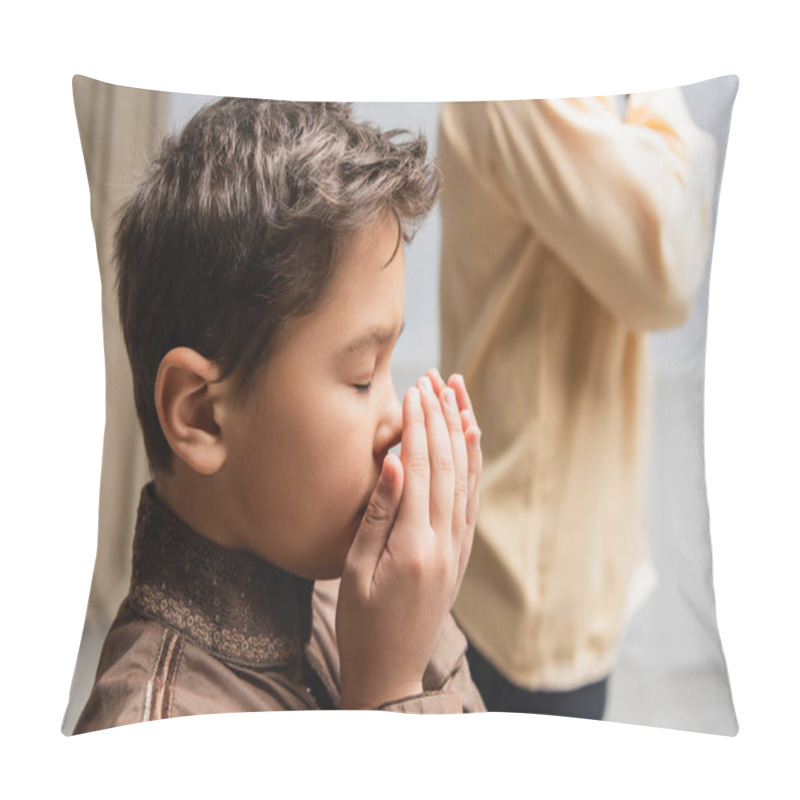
point(565, 274)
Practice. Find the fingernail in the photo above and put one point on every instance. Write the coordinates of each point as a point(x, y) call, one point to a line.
point(449, 397)
point(425, 385)
point(437, 374)
point(413, 397)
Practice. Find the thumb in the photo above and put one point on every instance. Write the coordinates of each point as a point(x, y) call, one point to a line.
point(379, 517)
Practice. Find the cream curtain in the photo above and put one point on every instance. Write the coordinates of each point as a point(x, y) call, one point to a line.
point(120, 131)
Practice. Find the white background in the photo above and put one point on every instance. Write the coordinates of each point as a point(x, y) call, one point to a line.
point(53, 403)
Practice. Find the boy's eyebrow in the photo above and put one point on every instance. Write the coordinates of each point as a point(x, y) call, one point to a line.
point(374, 337)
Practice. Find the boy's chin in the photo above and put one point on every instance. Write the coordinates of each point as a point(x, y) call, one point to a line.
point(330, 572)
point(333, 567)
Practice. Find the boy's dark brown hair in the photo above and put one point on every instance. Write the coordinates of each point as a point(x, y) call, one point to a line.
point(237, 228)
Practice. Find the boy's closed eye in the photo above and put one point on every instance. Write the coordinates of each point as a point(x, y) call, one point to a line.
point(361, 373)
point(379, 344)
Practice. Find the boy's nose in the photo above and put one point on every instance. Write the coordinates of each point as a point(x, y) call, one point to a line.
point(393, 422)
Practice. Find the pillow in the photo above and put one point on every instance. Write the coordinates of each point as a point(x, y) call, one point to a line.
point(565, 274)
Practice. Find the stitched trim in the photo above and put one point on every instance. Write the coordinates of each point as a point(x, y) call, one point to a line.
point(172, 674)
point(159, 691)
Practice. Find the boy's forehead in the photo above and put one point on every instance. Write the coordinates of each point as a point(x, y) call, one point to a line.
point(369, 274)
point(363, 307)
point(378, 242)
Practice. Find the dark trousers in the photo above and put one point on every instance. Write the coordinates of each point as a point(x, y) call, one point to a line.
point(499, 694)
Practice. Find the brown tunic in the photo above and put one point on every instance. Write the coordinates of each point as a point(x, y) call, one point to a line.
point(207, 629)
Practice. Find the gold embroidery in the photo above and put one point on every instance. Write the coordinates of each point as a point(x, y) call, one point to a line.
point(228, 602)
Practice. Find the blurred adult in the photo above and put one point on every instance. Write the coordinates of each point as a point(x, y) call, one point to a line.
point(570, 228)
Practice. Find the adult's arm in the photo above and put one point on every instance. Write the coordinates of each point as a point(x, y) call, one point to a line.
point(624, 204)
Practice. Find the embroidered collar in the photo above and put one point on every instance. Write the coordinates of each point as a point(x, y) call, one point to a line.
point(229, 602)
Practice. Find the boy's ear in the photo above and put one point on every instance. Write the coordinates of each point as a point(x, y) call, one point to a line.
point(189, 404)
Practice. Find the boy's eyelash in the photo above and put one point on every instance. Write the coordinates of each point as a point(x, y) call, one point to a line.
point(363, 388)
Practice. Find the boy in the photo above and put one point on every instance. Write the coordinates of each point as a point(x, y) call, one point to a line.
point(261, 294)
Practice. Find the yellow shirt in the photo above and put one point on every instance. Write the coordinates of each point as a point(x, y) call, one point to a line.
point(567, 233)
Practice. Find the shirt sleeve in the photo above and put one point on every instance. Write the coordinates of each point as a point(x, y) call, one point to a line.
point(625, 204)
